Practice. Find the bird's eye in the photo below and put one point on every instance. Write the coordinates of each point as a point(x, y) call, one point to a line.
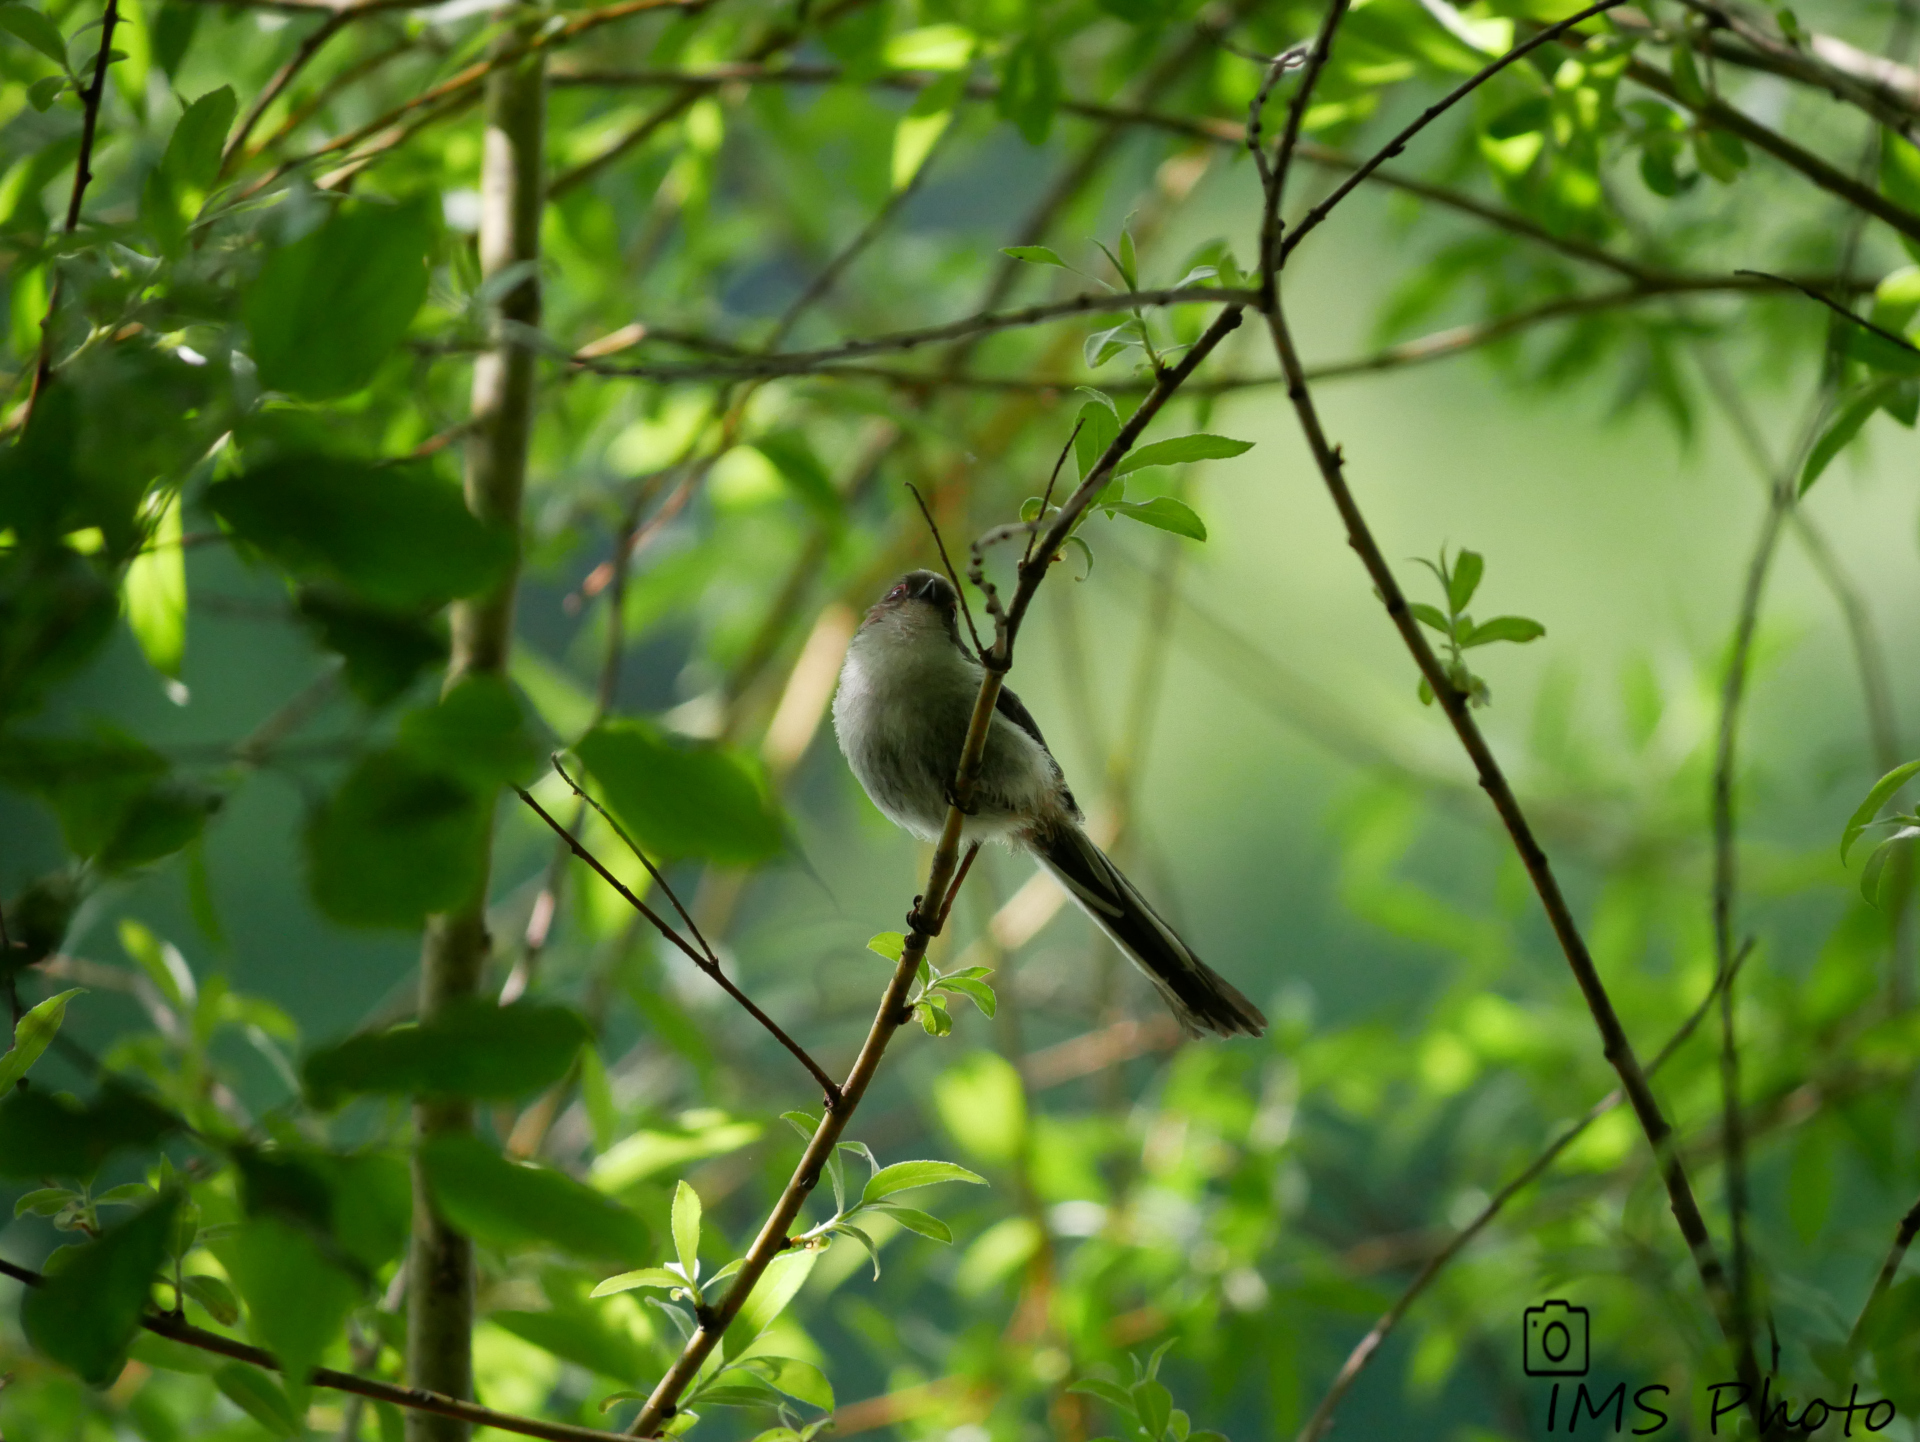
point(897, 592)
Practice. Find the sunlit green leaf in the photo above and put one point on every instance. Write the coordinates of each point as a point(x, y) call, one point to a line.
point(905, 1176)
point(31, 1036)
point(1181, 450)
point(1877, 797)
point(510, 1204)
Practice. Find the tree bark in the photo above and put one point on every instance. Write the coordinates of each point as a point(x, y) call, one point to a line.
point(440, 1261)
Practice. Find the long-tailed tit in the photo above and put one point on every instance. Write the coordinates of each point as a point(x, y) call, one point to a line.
point(902, 710)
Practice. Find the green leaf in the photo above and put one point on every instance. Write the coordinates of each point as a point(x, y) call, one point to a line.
point(579, 1335)
point(905, 1176)
point(805, 1123)
point(165, 967)
point(1180, 450)
point(31, 1035)
point(890, 944)
point(643, 1277)
point(43, 1134)
point(1468, 567)
point(1877, 797)
point(935, 1020)
point(155, 591)
point(396, 536)
point(801, 1381)
point(1873, 876)
point(1034, 255)
point(1841, 430)
point(1111, 1393)
point(261, 1398)
point(925, 1223)
point(46, 1202)
point(471, 1049)
point(1153, 1405)
point(686, 1228)
point(779, 1284)
point(87, 1311)
point(978, 992)
point(43, 92)
point(328, 309)
point(1431, 616)
point(215, 1295)
point(477, 731)
point(297, 1297)
point(397, 841)
point(873, 1252)
point(1030, 89)
point(509, 1204)
point(1099, 424)
point(683, 799)
point(1163, 513)
point(1518, 629)
point(1531, 114)
point(193, 152)
point(27, 24)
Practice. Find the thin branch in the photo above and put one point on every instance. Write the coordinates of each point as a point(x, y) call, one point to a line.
point(1616, 1044)
point(1432, 113)
point(703, 959)
point(1439, 344)
point(1902, 1239)
point(1363, 1352)
point(286, 74)
point(1830, 178)
point(984, 323)
point(415, 1399)
point(82, 174)
point(473, 76)
point(947, 561)
point(1274, 177)
point(776, 39)
point(1838, 309)
point(1053, 479)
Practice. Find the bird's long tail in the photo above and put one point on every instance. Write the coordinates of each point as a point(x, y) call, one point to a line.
point(1202, 1000)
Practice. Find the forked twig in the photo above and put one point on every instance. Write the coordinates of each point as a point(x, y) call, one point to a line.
point(1046, 496)
point(703, 959)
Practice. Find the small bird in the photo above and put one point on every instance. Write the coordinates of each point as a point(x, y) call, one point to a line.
point(905, 699)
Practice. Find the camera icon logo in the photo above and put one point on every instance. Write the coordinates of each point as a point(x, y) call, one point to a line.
point(1553, 1340)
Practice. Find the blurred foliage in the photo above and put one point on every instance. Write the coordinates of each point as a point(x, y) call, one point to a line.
point(260, 339)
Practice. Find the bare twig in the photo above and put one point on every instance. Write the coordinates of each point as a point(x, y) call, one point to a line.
point(1274, 177)
point(1902, 1239)
point(947, 561)
point(702, 958)
point(1363, 1352)
point(82, 174)
point(286, 74)
point(984, 323)
point(1433, 112)
point(1892, 337)
point(176, 1329)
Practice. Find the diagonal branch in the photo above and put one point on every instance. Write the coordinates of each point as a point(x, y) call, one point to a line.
point(1716, 112)
point(704, 959)
point(1617, 1047)
point(82, 174)
point(1902, 1239)
point(1432, 113)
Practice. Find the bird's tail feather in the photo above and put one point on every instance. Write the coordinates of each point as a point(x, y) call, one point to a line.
point(1201, 999)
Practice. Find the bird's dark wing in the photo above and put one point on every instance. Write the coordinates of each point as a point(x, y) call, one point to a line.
point(1015, 710)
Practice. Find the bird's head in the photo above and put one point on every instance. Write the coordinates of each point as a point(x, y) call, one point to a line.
point(919, 601)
